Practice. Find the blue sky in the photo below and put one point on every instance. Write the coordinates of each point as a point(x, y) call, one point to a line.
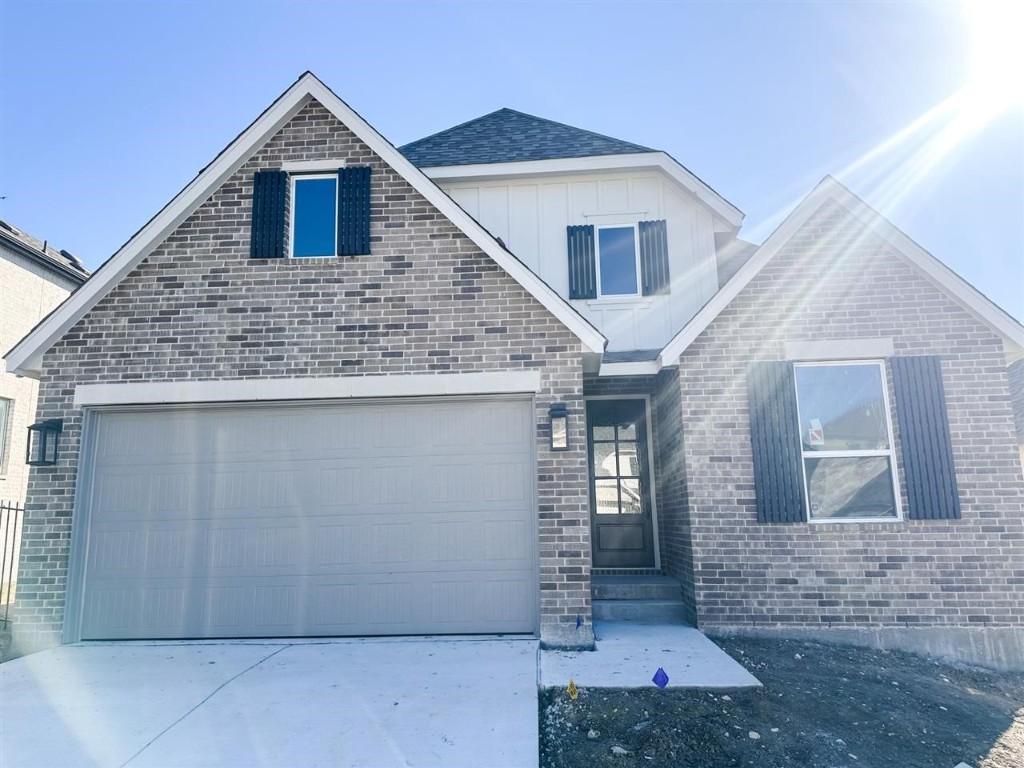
point(108, 109)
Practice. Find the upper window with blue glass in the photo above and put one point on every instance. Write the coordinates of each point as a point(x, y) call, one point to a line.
point(314, 215)
point(328, 214)
point(617, 261)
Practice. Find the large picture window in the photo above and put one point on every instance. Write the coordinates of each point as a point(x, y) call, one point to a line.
point(846, 441)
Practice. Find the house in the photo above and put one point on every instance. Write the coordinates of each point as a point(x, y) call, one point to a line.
point(34, 278)
point(335, 388)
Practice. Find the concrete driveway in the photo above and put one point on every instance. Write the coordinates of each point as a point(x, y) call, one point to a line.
point(360, 702)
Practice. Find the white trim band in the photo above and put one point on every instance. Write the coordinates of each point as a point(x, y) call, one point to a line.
point(839, 349)
point(310, 388)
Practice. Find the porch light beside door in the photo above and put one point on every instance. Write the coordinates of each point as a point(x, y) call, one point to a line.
point(558, 415)
point(41, 450)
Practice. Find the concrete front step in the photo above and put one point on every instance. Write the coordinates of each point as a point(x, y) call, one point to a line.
point(667, 611)
point(635, 588)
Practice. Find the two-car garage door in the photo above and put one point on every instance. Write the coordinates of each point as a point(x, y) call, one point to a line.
point(404, 517)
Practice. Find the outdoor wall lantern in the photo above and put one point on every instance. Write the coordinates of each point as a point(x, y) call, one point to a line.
point(42, 443)
point(559, 418)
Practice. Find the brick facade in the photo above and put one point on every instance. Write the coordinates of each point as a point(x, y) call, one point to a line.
point(426, 300)
point(835, 281)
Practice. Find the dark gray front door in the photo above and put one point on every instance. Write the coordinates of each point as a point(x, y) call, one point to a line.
point(620, 500)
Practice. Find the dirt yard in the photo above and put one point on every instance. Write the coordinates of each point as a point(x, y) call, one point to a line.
point(821, 707)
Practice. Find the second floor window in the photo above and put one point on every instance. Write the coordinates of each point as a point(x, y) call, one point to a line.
point(617, 261)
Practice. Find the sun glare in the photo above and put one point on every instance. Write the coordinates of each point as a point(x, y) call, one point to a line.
point(996, 29)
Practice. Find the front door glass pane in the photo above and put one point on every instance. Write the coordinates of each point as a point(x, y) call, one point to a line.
point(629, 492)
point(604, 460)
point(607, 496)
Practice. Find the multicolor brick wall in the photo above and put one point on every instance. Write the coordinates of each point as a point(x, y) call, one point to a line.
point(426, 300)
point(834, 281)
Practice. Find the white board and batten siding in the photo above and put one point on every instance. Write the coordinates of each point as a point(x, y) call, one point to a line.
point(304, 520)
point(531, 215)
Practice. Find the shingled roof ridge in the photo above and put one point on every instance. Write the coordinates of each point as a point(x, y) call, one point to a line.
point(466, 143)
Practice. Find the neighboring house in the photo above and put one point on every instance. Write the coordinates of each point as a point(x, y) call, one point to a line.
point(317, 394)
point(34, 279)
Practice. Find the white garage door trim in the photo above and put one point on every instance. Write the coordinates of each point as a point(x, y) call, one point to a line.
point(82, 521)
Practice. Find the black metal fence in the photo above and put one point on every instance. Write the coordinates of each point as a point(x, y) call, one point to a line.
point(11, 517)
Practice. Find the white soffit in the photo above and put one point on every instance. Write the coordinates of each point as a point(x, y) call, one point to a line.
point(26, 357)
point(725, 211)
point(958, 289)
point(641, 368)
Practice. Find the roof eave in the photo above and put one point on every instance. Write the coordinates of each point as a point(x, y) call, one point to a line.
point(726, 213)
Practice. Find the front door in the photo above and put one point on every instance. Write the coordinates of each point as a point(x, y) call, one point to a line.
point(621, 524)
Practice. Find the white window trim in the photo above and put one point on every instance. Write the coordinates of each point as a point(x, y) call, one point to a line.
point(6, 437)
point(890, 453)
point(293, 179)
point(638, 294)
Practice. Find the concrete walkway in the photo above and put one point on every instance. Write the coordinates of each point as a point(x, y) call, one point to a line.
point(629, 654)
point(361, 702)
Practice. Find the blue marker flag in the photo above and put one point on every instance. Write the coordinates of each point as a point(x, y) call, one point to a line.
point(660, 679)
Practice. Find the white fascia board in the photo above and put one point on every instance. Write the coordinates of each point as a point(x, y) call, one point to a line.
point(642, 368)
point(722, 208)
point(26, 357)
point(934, 270)
point(307, 388)
point(942, 277)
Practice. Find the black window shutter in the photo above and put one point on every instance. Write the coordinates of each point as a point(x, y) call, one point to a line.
point(924, 437)
point(269, 192)
point(775, 440)
point(654, 257)
point(354, 211)
point(582, 270)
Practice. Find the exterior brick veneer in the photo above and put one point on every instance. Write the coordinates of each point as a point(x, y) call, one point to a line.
point(835, 281)
point(426, 300)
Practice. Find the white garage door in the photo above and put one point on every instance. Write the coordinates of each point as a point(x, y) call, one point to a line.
point(410, 517)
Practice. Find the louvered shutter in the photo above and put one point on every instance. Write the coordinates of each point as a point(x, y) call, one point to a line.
point(654, 273)
point(582, 270)
point(269, 193)
point(775, 440)
point(354, 211)
point(924, 438)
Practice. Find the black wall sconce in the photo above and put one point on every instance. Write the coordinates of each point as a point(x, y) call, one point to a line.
point(42, 443)
point(558, 415)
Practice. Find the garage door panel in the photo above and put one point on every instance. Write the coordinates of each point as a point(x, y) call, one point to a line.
point(336, 519)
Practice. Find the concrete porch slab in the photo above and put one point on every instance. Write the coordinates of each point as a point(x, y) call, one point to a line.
point(629, 653)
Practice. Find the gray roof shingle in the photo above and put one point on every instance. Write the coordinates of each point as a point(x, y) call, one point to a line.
point(508, 136)
point(39, 251)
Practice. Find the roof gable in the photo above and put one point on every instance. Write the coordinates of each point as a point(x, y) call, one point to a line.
point(26, 357)
point(945, 279)
point(508, 136)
